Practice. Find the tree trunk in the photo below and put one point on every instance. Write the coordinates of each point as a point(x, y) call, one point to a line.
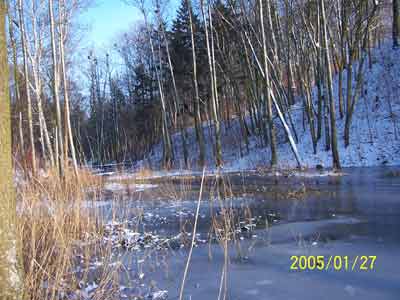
point(21, 140)
point(271, 125)
point(216, 110)
point(68, 137)
point(352, 98)
point(319, 75)
point(10, 275)
point(326, 117)
point(13, 43)
point(396, 23)
point(309, 111)
point(36, 64)
point(197, 117)
point(177, 99)
point(335, 152)
point(214, 88)
point(26, 82)
point(280, 115)
point(55, 87)
point(167, 155)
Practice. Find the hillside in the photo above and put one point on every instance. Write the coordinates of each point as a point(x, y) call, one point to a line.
point(374, 136)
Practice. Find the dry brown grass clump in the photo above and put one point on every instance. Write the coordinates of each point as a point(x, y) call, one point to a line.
point(59, 237)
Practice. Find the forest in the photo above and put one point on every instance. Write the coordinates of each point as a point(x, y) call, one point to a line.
point(214, 63)
point(216, 89)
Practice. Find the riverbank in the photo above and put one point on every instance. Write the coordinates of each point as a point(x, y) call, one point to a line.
point(374, 134)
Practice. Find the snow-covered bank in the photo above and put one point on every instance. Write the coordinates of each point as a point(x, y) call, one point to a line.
point(374, 135)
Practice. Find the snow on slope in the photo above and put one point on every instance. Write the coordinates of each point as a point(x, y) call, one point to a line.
point(374, 135)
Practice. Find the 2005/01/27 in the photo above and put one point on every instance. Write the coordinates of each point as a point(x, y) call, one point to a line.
point(333, 262)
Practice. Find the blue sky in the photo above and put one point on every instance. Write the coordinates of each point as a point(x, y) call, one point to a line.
point(107, 18)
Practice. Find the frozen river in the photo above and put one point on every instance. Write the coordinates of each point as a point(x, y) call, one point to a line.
point(250, 227)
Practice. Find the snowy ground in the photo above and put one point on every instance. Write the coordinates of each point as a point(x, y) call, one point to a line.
point(375, 135)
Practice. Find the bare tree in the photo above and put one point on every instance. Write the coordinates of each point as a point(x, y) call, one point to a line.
point(55, 87)
point(335, 152)
point(213, 78)
point(360, 45)
point(26, 84)
point(168, 152)
point(197, 115)
point(271, 126)
point(36, 63)
point(68, 137)
point(177, 99)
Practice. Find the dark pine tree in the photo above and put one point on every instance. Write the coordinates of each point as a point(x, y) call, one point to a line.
point(181, 47)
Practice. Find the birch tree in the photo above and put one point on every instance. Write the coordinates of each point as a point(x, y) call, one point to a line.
point(68, 137)
point(213, 84)
point(26, 84)
point(55, 90)
point(177, 99)
point(36, 63)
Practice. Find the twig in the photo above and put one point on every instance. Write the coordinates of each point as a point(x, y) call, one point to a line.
point(193, 237)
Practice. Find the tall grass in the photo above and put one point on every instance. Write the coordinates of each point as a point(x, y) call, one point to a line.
point(58, 237)
point(63, 238)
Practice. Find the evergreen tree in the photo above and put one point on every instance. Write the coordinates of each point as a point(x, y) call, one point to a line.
point(181, 47)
